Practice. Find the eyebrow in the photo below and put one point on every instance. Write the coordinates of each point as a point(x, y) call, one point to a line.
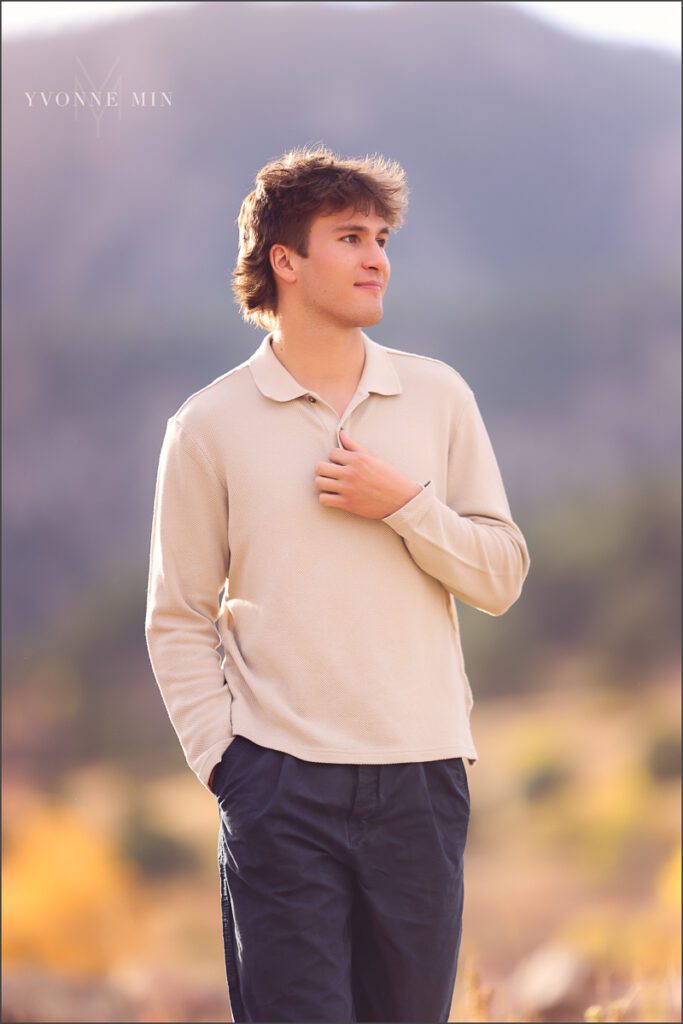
point(359, 227)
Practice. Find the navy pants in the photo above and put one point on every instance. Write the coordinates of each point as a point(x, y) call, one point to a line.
point(341, 886)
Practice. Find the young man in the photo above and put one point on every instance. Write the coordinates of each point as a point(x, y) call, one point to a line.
point(323, 503)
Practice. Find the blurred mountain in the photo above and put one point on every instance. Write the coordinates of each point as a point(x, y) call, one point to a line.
point(540, 255)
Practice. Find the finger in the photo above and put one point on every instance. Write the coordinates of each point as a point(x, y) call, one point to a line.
point(333, 500)
point(327, 469)
point(340, 456)
point(328, 483)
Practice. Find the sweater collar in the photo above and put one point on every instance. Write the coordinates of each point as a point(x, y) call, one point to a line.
point(275, 381)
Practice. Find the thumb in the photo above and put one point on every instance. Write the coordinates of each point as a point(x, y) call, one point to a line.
point(349, 442)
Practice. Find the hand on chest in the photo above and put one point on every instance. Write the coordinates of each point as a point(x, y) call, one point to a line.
point(314, 460)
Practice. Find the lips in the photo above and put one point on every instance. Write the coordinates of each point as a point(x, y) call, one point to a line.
point(370, 285)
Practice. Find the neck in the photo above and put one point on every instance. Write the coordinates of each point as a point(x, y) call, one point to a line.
point(320, 356)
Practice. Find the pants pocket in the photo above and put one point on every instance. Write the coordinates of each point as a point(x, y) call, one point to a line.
point(223, 765)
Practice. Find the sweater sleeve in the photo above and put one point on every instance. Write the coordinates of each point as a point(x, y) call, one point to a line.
point(189, 563)
point(470, 542)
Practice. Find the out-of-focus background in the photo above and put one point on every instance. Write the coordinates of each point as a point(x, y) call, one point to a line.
point(541, 258)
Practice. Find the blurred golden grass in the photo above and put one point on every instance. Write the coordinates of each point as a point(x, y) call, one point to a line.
point(68, 900)
point(573, 841)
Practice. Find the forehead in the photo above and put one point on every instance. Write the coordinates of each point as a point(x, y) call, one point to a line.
point(348, 219)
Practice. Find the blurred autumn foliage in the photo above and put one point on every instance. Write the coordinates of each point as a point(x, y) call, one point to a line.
point(541, 259)
point(573, 874)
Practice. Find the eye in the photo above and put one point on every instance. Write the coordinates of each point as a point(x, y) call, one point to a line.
point(382, 241)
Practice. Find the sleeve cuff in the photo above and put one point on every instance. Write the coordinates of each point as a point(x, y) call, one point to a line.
point(211, 758)
point(413, 509)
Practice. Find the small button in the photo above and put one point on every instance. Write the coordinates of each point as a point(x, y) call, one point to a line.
point(310, 398)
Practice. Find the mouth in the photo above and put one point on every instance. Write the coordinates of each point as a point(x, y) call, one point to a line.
point(370, 287)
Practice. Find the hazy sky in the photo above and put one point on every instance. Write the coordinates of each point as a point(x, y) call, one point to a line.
point(648, 22)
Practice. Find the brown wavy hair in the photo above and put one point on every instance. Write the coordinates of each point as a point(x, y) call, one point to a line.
point(290, 192)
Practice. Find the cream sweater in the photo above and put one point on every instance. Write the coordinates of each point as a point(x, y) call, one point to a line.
point(339, 634)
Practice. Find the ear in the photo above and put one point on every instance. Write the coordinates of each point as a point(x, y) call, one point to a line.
point(280, 262)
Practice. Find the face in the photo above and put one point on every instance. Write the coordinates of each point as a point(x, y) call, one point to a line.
point(346, 254)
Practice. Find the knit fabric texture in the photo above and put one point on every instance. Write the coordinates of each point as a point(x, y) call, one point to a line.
point(309, 629)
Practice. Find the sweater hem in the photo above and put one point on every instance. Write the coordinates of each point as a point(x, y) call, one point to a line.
point(330, 755)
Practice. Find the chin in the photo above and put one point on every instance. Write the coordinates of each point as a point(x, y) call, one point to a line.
point(369, 321)
point(371, 317)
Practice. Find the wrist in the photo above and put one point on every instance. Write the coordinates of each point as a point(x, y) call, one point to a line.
point(407, 494)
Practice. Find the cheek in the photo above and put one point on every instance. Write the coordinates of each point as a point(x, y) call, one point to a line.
point(328, 280)
point(331, 274)
point(341, 272)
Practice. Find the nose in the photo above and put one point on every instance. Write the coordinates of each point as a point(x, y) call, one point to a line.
point(377, 259)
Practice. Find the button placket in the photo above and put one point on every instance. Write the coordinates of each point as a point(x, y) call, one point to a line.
point(359, 397)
